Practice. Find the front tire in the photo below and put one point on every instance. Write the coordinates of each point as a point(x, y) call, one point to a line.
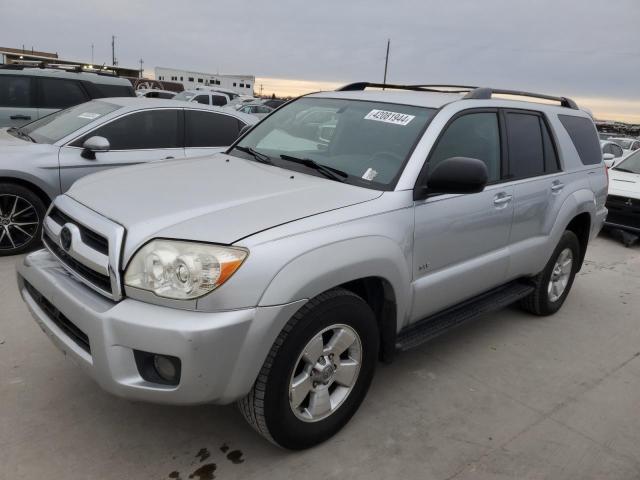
point(317, 372)
point(21, 216)
point(553, 284)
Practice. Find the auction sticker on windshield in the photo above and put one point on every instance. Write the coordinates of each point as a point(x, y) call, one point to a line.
point(89, 115)
point(389, 117)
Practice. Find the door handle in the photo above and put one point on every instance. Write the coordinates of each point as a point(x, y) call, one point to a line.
point(169, 158)
point(20, 117)
point(556, 187)
point(502, 199)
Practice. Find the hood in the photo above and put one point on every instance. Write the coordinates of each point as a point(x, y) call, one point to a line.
point(218, 198)
point(624, 184)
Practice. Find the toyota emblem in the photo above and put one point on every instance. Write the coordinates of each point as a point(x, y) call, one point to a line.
point(65, 238)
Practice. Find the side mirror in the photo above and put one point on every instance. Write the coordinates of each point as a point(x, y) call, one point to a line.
point(608, 156)
point(94, 144)
point(458, 175)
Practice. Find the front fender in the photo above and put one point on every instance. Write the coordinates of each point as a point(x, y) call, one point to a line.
point(326, 267)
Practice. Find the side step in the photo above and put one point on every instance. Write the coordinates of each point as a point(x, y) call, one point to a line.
point(430, 327)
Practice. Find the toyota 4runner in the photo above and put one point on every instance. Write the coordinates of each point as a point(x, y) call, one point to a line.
point(342, 228)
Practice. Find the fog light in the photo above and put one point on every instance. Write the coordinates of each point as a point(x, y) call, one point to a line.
point(166, 367)
point(156, 368)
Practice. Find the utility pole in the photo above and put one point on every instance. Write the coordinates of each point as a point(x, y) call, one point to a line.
point(141, 69)
point(92, 54)
point(386, 62)
point(114, 62)
point(260, 90)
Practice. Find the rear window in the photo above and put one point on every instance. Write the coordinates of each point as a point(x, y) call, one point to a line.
point(115, 90)
point(584, 137)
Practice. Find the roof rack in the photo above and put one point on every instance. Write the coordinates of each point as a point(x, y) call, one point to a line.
point(65, 67)
point(420, 88)
point(472, 93)
point(486, 93)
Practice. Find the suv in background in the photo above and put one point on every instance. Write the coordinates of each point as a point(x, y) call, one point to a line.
point(30, 93)
point(279, 273)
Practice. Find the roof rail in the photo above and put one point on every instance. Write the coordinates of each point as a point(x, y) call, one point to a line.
point(485, 93)
point(476, 93)
point(65, 67)
point(358, 86)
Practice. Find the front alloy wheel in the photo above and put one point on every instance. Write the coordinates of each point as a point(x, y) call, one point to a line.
point(325, 373)
point(317, 372)
point(21, 214)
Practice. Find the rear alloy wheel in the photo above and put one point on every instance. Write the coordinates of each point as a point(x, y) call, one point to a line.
point(317, 372)
point(552, 285)
point(21, 215)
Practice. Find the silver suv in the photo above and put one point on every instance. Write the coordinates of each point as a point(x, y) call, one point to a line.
point(279, 273)
point(29, 93)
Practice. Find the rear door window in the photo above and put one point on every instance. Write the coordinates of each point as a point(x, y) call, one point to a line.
point(524, 144)
point(60, 93)
point(218, 100)
point(15, 91)
point(205, 129)
point(151, 129)
point(584, 136)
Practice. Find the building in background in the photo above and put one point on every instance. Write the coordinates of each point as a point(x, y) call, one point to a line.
point(33, 57)
point(242, 84)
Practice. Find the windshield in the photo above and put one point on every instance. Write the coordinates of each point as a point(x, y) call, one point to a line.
point(630, 164)
point(368, 141)
point(186, 96)
point(58, 125)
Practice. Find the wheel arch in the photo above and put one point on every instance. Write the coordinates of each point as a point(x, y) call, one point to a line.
point(34, 187)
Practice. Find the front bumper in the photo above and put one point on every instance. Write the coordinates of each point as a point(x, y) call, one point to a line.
point(221, 352)
point(624, 213)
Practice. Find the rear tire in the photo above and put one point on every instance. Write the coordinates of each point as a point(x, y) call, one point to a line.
point(299, 400)
point(553, 284)
point(21, 216)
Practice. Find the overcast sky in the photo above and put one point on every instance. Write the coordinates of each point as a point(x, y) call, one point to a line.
point(589, 49)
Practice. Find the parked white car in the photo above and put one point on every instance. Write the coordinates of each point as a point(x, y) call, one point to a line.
point(628, 144)
point(623, 201)
point(205, 97)
point(611, 152)
point(256, 109)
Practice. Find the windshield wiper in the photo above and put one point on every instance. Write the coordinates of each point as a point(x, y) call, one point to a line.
point(623, 170)
point(329, 172)
point(260, 157)
point(20, 134)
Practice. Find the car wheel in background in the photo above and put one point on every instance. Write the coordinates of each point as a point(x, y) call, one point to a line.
point(317, 372)
point(21, 216)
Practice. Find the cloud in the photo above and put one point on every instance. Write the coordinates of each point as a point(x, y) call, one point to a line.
point(568, 47)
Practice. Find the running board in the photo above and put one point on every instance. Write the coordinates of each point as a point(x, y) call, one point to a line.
point(442, 322)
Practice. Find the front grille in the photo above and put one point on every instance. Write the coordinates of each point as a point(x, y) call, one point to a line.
point(59, 319)
point(91, 238)
point(101, 281)
point(623, 211)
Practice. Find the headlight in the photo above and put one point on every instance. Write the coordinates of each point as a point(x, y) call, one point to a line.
point(182, 270)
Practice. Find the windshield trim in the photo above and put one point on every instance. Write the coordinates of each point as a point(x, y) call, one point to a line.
point(351, 179)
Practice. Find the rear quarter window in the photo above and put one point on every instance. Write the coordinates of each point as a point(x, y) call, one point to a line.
point(584, 137)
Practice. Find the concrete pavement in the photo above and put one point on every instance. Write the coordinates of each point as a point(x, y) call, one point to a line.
point(510, 396)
